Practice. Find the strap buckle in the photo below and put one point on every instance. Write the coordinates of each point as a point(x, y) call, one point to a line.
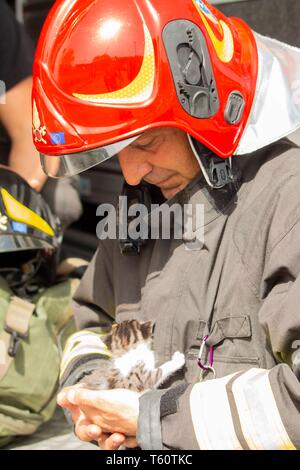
point(130, 247)
point(17, 323)
point(220, 172)
point(15, 338)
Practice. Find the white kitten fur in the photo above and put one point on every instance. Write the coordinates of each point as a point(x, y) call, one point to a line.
point(141, 353)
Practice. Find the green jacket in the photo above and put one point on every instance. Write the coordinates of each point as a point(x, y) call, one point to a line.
point(29, 380)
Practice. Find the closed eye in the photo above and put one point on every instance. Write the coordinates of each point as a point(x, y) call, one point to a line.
point(147, 145)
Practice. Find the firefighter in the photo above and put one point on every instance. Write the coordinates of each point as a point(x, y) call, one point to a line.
point(198, 105)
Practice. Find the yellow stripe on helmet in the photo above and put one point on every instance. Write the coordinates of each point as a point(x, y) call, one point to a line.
point(139, 90)
point(20, 213)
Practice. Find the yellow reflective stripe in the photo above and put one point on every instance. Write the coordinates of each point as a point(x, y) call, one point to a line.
point(211, 415)
point(84, 351)
point(260, 419)
point(224, 48)
point(83, 336)
point(20, 213)
point(81, 344)
point(139, 90)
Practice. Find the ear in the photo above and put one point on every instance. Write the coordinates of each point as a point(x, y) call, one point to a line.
point(146, 329)
point(114, 326)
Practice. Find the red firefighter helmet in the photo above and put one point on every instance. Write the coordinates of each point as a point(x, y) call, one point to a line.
point(105, 72)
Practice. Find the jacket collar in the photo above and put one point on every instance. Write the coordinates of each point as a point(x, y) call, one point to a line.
point(215, 202)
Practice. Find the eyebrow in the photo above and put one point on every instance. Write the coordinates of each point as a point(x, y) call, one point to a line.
point(146, 144)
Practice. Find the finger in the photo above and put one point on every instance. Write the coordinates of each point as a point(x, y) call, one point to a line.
point(75, 412)
point(73, 409)
point(94, 432)
point(62, 400)
point(111, 442)
point(82, 433)
point(85, 397)
point(62, 397)
point(130, 442)
point(85, 430)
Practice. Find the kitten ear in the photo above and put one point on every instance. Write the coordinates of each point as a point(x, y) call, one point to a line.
point(146, 329)
point(114, 326)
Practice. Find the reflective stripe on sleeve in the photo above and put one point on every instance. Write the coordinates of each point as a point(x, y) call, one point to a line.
point(260, 419)
point(237, 412)
point(80, 344)
point(211, 415)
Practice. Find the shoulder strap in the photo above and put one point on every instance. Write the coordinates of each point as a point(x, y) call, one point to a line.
point(16, 327)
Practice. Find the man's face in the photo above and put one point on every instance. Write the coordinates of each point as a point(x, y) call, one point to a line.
point(162, 157)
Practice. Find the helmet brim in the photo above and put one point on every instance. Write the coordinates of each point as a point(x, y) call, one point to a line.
point(58, 166)
point(11, 242)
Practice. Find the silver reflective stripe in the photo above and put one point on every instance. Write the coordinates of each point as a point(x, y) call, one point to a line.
point(275, 111)
point(211, 415)
point(260, 419)
point(238, 411)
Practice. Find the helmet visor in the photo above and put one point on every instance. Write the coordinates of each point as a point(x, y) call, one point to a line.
point(10, 242)
point(71, 164)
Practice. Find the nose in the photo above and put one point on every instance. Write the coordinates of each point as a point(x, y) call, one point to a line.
point(134, 166)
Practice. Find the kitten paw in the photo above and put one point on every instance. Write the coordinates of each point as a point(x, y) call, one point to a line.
point(179, 359)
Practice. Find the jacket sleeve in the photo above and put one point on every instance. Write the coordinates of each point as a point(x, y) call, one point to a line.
point(93, 308)
point(253, 409)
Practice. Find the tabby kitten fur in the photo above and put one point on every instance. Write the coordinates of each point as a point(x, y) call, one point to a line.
point(132, 365)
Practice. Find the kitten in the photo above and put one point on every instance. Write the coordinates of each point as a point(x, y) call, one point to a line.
point(132, 365)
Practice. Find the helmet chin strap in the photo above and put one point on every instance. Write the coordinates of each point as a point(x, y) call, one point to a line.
point(218, 172)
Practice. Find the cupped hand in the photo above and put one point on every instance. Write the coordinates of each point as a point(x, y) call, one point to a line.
point(85, 409)
point(112, 410)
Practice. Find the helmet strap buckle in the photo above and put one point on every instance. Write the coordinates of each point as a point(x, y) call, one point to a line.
point(218, 172)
